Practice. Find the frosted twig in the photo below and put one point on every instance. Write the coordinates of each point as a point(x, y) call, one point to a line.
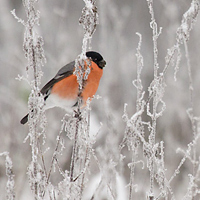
point(79, 160)
point(10, 186)
point(134, 126)
point(154, 89)
point(187, 23)
point(188, 152)
point(34, 53)
point(74, 152)
point(183, 32)
point(17, 18)
point(54, 157)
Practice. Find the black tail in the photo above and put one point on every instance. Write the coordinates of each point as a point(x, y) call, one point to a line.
point(24, 119)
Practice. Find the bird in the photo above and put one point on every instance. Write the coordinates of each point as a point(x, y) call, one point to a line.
point(63, 90)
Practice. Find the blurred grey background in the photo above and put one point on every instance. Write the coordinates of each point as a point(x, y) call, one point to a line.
point(116, 40)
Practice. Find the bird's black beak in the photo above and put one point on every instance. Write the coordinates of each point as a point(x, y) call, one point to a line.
point(102, 64)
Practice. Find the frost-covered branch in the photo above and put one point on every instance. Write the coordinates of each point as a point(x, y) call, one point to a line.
point(10, 186)
point(156, 90)
point(89, 21)
point(82, 146)
point(34, 53)
point(134, 124)
point(155, 105)
point(182, 35)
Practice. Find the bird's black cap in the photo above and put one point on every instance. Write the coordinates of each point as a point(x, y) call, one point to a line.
point(97, 58)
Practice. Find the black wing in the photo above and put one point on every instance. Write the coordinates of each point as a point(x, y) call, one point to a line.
point(64, 72)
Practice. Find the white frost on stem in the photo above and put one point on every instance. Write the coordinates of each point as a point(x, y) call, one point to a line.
point(10, 186)
point(89, 21)
point(34, 53)
point(183, 32)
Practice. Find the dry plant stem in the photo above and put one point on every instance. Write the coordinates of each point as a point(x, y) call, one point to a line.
point(188, 21)
point(35, 56)
point(35, 125)
point(10, 186)
point(138, 108)
point(83, 176)
point(34, 159)
point(191, 89)
point(88, 20)
point(152, 135)
point(42, 157)
point(34, 131)
point(75, 146)
point(53, 157)
point(87, 157)
point(169, 60)
point(134, 157)
point(186, 156)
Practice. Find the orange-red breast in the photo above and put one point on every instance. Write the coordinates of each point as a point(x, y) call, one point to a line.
point(63, 90)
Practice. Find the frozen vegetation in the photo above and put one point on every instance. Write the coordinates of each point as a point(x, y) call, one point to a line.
point(138, 139)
